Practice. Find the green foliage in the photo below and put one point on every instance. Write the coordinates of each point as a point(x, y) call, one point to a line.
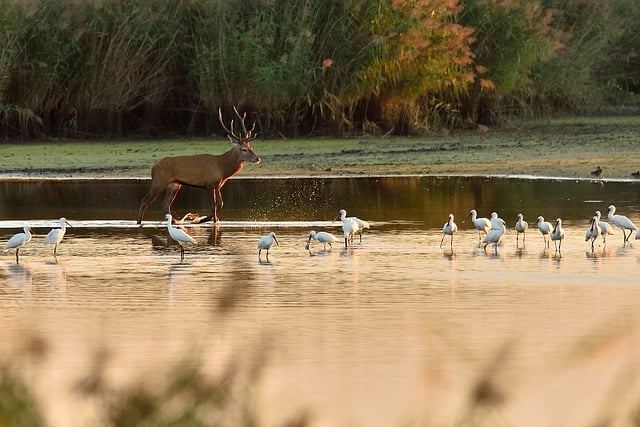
point(12, 29)
point(107, 67)
point(619, 68)
point(126, 61)
point(423, 51)
point(17, 405)
point(512, 38)
point(568, 81)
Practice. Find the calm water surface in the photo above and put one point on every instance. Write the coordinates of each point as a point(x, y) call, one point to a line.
point(392, 330)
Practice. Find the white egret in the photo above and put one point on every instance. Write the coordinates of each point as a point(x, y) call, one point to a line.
point(480, 224)
point(449, 228)
point(322, 237)
point(622, 222)
point(557, 234)
point(545, 229)
point(266, 242)
point(362, 224)
point(495, 234)
point(18, 241)
point(178, 235)
point(54, 237)
point(502, 222)
point(349, 227)
point(521, 227)
point(593, 231)
point(605, 227)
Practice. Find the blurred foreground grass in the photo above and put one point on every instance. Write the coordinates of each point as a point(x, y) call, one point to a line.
point(597, 381)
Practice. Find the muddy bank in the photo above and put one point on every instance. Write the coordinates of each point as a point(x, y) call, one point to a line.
point(569, 148)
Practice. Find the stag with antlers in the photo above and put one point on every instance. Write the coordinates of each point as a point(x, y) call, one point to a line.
point(206, 171)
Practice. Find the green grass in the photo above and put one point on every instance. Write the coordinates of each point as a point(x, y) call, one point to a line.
point(568, 147)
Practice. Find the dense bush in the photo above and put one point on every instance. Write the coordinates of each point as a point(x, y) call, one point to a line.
point(83, 68)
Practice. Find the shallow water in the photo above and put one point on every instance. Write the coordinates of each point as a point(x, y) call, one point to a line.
point(393, 329)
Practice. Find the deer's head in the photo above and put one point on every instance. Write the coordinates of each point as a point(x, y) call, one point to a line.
point(241, 140)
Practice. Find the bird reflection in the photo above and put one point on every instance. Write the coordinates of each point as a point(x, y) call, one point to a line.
point(56, 274)
point(495, 253)
point(449, 254)
point(347, 251)
point(545, 253)
point(319, 252)
point(177, 276)
point(21, 278)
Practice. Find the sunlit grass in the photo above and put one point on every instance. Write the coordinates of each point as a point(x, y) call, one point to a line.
point(569, 147)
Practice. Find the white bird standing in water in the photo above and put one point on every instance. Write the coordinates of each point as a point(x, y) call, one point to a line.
point(593, 231)
point(349, 227)
point(494, 216)
point(557, 234)
point(449, 228)
point(545, 229)
point(521, 227)
point(480, 224)
point(266, 242)
point(54, 237)
point(322, 237)
point(497, 231)
point(18, 241)
point(605, 227)
point(622, 222)
point(362, 224)
point(178, 235)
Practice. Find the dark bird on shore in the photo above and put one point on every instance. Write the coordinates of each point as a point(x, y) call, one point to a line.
point(597, 172)
point(635, 174)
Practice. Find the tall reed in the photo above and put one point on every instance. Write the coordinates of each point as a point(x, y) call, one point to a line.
point(107, 67)
point(127, 56)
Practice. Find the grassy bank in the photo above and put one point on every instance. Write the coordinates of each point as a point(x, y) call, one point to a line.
point(569, 147)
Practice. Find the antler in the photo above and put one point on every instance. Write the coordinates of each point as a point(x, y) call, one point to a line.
point(247, 135)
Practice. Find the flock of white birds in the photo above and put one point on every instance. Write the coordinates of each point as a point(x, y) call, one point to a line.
point(493, 228)
point(350, 226)
point(54, 237)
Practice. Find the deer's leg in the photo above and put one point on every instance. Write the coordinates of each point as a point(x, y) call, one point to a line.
point(172, 191)
point(146, 201)
point(216, 203)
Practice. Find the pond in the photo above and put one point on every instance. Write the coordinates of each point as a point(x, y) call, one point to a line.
point(394, 330)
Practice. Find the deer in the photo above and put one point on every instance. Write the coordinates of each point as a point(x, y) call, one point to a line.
point(207, 171)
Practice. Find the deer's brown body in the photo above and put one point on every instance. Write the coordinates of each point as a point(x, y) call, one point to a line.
point(206, 171)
